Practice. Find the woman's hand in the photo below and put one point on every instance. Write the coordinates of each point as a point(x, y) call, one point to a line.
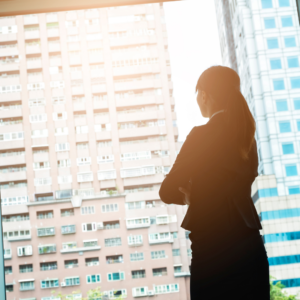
point(186, 194)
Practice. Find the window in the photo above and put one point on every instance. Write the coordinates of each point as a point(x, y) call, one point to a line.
point(138, 274)
point(266, 4)
point(15, 218)
point(278, 84)
point(67, 229)
point(67, 212)
point(290, 42)
point(161, 237)
point(166, 288)
point(85, 177)
point(177, 269)
point(63, 163)
point(284, 3)
point(7, 270)
point(81, 129)
point(286, 21)
point(187, 234)
point(39, 133)
point(87, 210)
point(61, 131)
point(26, 268)
point(136, 256)
point(105, 159)
point(116, 276)
point(269, 23)
point(46, 231)
point(36, 102)
point(158, 254)
point(112, 242)
point(159, 272)
point(38, 118)
point(48, 266)
point(58, 100)
point(70, 281)
point(297, 104)
point(94, 261)
point(281, 105)
point(288, 148)
point(138, 222)
point(57, 84)
point(115, 259)
point(90, 243)
point(298, 125)
point(83, 161)
point(35, 86)
point(275, 63)
point(282, 236)
point(42, 181)
point(26, 285)
point(293, 190)
point(11, 136)
point(107, 175)
point(136, 155)
point(285, 126)
point(49, 283)
point(293, 62)
point(41, 165)
point(176, 252)
point(93, 278)
point(135, 240)
point(59, 116)
point(272, 43)
point(89, 227)
point(109, 208)
point(62, 147)
point(295, 82)
point(291, 170)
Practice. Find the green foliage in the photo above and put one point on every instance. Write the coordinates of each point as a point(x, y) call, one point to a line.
point(93, 294)
point(276, 292)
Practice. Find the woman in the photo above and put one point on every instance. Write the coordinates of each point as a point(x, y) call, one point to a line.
point(213, 174)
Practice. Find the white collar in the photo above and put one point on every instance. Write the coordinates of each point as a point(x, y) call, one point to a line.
point(217, 113)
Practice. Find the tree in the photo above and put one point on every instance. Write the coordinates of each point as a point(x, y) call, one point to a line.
point(276, 292)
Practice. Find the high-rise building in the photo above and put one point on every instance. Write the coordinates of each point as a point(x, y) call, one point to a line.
point(265, 47)
point(87, 133)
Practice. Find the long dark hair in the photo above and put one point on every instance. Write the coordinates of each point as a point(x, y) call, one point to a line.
point(223, 85)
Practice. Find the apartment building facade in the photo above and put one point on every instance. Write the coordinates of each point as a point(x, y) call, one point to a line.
point(266, 48)
point(87, 134)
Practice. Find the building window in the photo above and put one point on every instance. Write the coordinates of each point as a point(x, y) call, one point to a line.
point(159, 272)
point(116, 276)
point(46, 249)
point(49, 283)
point(298, 125)
point(94, 261)
point(138, 274)
point(189, 252)
point(115, 259)
point(285, 126)
point(291, 170)
point(70, 281)
point(289, 42)
point(26, 285)
point(269, 23)
point(275, 63)
point(7, 270)
point(293, 190)
point(46, 231)
point(176, 252)
point(297, 104)
point(93, 278)
point(295, 82)
point(284, 3)
point(112, 242)
point(158, 254)
point(288, 148)
point(87, 210)
point(90, 243)
point(293, 62)
point(266, 4)
point(278, 84)
point(272, 43)
point(282, 237)
point(286, 21)
point(67, 212)
point(26, 268)
point(136, 256)
point(109, 208)
point(281, 105)
point(89, 227)
point(166, 288)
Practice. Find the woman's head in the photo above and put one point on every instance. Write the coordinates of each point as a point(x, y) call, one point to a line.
point(219, 89)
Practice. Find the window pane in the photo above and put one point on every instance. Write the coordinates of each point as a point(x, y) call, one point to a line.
point(266, 4)
point(269, 23)
point(297, 104)
point(284, 3)
point(290, 42)
point(278, 84)
point(281, 105)
point(275, 64)
point(293, 62)
point(291, 170)
point(294, 190)
point(285, 127)
point(286, 21)
point(295, 82)
point(272, 43)
point(288, 148)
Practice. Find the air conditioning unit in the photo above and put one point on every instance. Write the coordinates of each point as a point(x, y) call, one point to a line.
point(100, 226)
point(151, 292)
point(62, 284)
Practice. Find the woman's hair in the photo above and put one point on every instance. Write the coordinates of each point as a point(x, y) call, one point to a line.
point(223, 85)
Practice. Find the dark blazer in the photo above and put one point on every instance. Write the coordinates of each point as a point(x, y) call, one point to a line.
point(220, 180)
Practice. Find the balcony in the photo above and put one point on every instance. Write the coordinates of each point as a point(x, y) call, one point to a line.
point(31, 19)
point(55, 61)
point(140, 292)
point(9, 66)
point(9, 160)
point(32, 35)
point(143, 131)
point(52, 17)
point(77, 90)
point(8, 37)
point(99, 88)
point(47, 249)
point(26, 285)
point(7, 254)
point(137, 85)
point(21, 235)
point(54, 46)
point(160, 238)
point(75, 60)
point(80, 249)
point(34, 64)
point(47, 231)
point(97, 73)
point(96, 58)
point(140, 115)
point(133, 70)
point(139, 100)
point(133, 40)
point(69, 229)
point(182, 274)
point(13, 175)
point(53, 32)
point(138, 223)
point(100, 104)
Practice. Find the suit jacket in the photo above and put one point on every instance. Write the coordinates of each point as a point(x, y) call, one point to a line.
point(220, 180)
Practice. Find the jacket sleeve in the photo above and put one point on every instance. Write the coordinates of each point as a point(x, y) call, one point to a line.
point(180, 173)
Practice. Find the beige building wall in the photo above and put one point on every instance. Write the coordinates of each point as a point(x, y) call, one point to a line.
point(88, 125)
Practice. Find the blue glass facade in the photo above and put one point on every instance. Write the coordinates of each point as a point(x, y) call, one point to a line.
point(275, 63)
point(281, 105)
point(278, 84)
point(285, 126)
point(288, 148)
point(269, 23)
point(280, 214)
point(286, 21)
point(272, 43)
point(284, 260)
point(281, 237)
point(289, 282)
point(293, 62)
point(266, 4)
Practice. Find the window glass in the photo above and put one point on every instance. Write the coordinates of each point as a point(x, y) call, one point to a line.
point(289, 42)
point(297, 104)
point(291, 170)
point(266, 4)
point(293, 190)
point(298, 125)
point(288, 148)
point(286, 21)
point(275, 63)
point(293, 62)
point(269, 23)
point(284, 3)
point(281, 105)
point(272, 43)
point(295, 82)
point(278, 84)
point(284, 126)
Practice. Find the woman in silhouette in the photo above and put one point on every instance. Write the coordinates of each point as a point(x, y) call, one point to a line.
point(213, 174)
